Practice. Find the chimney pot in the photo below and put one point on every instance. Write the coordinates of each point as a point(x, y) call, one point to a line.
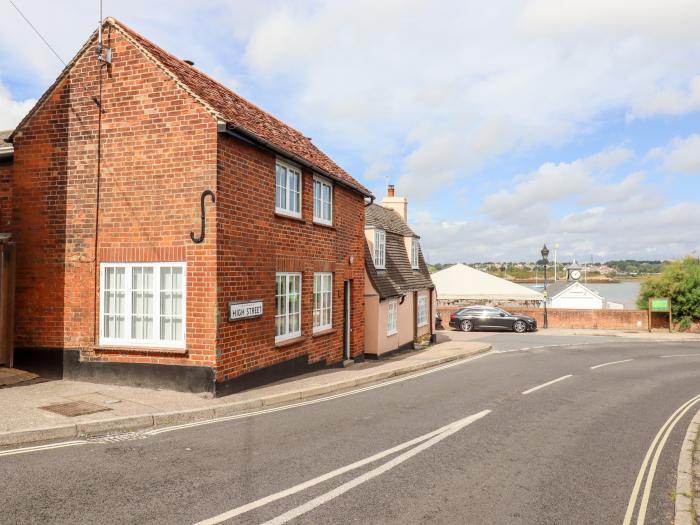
point(390, 190)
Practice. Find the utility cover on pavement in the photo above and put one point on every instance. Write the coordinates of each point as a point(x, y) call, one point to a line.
point(75, 408)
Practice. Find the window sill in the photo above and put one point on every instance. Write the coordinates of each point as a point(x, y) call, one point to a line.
point(289, 342)
point(324, 225)
point(141, 349)
point(325, 331)
point(389, 334)
point(422, 325)
point(282, 215)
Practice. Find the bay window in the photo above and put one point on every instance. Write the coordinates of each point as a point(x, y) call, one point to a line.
point(142, 304)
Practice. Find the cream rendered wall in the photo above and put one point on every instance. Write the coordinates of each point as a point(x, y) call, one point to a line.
point(406, 321)
point(372, 324)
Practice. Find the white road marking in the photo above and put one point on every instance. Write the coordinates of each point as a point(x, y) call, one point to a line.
point(337, 472)
point(313, 401)
point(680, 355)
point(39, 448)
point(611, 363)
point(258, 412)
point(345, 487)
point(668, 427)
point(547, 384)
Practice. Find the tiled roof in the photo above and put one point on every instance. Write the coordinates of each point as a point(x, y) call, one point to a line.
point(236, 110)
point(224, 104)
point(386, 219)
point(556, 288)
point(5, 147)
point(398, 278)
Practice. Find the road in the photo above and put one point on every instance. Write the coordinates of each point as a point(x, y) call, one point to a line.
point(515, 436)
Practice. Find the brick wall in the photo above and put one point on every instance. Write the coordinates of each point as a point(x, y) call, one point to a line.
point(569, 318)
point(254, 243)
point(5, 194)
point(158, 153)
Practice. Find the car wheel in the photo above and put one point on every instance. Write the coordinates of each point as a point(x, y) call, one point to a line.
point(519, 327)
point(467, 325)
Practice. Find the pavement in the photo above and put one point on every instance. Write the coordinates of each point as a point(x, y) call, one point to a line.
point(555, 434)
point(655, 335)
point(13, 376)
point(24, 418)
point(687, 494)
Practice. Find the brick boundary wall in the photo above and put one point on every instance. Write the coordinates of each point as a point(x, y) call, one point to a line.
point(569, 318)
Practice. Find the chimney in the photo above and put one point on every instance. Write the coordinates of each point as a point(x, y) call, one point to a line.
point(398, 204)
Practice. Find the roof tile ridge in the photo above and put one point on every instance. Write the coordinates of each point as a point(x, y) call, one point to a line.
point(211, 79)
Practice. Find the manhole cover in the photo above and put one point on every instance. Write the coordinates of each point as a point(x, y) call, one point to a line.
point(75, 408)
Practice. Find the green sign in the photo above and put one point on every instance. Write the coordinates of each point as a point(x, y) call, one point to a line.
point(661, 305)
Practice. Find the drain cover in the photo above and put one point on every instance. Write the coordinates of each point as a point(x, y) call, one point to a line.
point(75, 408)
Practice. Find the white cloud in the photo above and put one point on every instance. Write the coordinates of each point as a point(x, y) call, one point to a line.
point(12, 111)
point(582, 180)
point(681, 155)
point(584, 205)
point(653, 232)
point(447, 89)
point(432, 93)
point(669, 101)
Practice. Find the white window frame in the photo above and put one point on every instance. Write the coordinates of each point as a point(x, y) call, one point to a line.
point(379, 252)
point(392, 314)
point(321, 182)
point(422, 310)
point(326, 299)
point(287, 334)
point(156, 342)
point(288, 192)
point(415, 260)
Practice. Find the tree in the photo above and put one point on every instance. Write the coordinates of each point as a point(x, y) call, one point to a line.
point(680, 280)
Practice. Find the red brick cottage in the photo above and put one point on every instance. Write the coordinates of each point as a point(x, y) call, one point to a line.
point(128, 271)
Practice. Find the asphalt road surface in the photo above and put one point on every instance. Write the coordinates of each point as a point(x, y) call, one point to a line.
point(539, 436)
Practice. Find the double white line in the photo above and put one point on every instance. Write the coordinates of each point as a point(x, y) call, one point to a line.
point(422, 443)
point(660, 440)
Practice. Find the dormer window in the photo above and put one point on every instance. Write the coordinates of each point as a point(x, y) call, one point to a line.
point(414, 254)
point(379, 249)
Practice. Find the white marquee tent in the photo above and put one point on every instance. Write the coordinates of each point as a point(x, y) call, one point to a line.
point(463, 283)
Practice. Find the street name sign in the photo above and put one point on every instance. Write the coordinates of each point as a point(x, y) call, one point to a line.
point(244, 310)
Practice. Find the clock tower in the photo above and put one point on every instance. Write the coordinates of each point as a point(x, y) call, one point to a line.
point(573, 272)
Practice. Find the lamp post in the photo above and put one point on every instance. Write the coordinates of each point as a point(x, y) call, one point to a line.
point(545, 253)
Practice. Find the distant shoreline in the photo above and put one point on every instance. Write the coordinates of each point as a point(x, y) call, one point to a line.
point(593, 280)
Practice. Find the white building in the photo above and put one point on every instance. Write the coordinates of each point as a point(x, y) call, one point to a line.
point(573, 294)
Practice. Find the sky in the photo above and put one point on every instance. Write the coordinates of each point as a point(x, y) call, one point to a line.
point(507, 124)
